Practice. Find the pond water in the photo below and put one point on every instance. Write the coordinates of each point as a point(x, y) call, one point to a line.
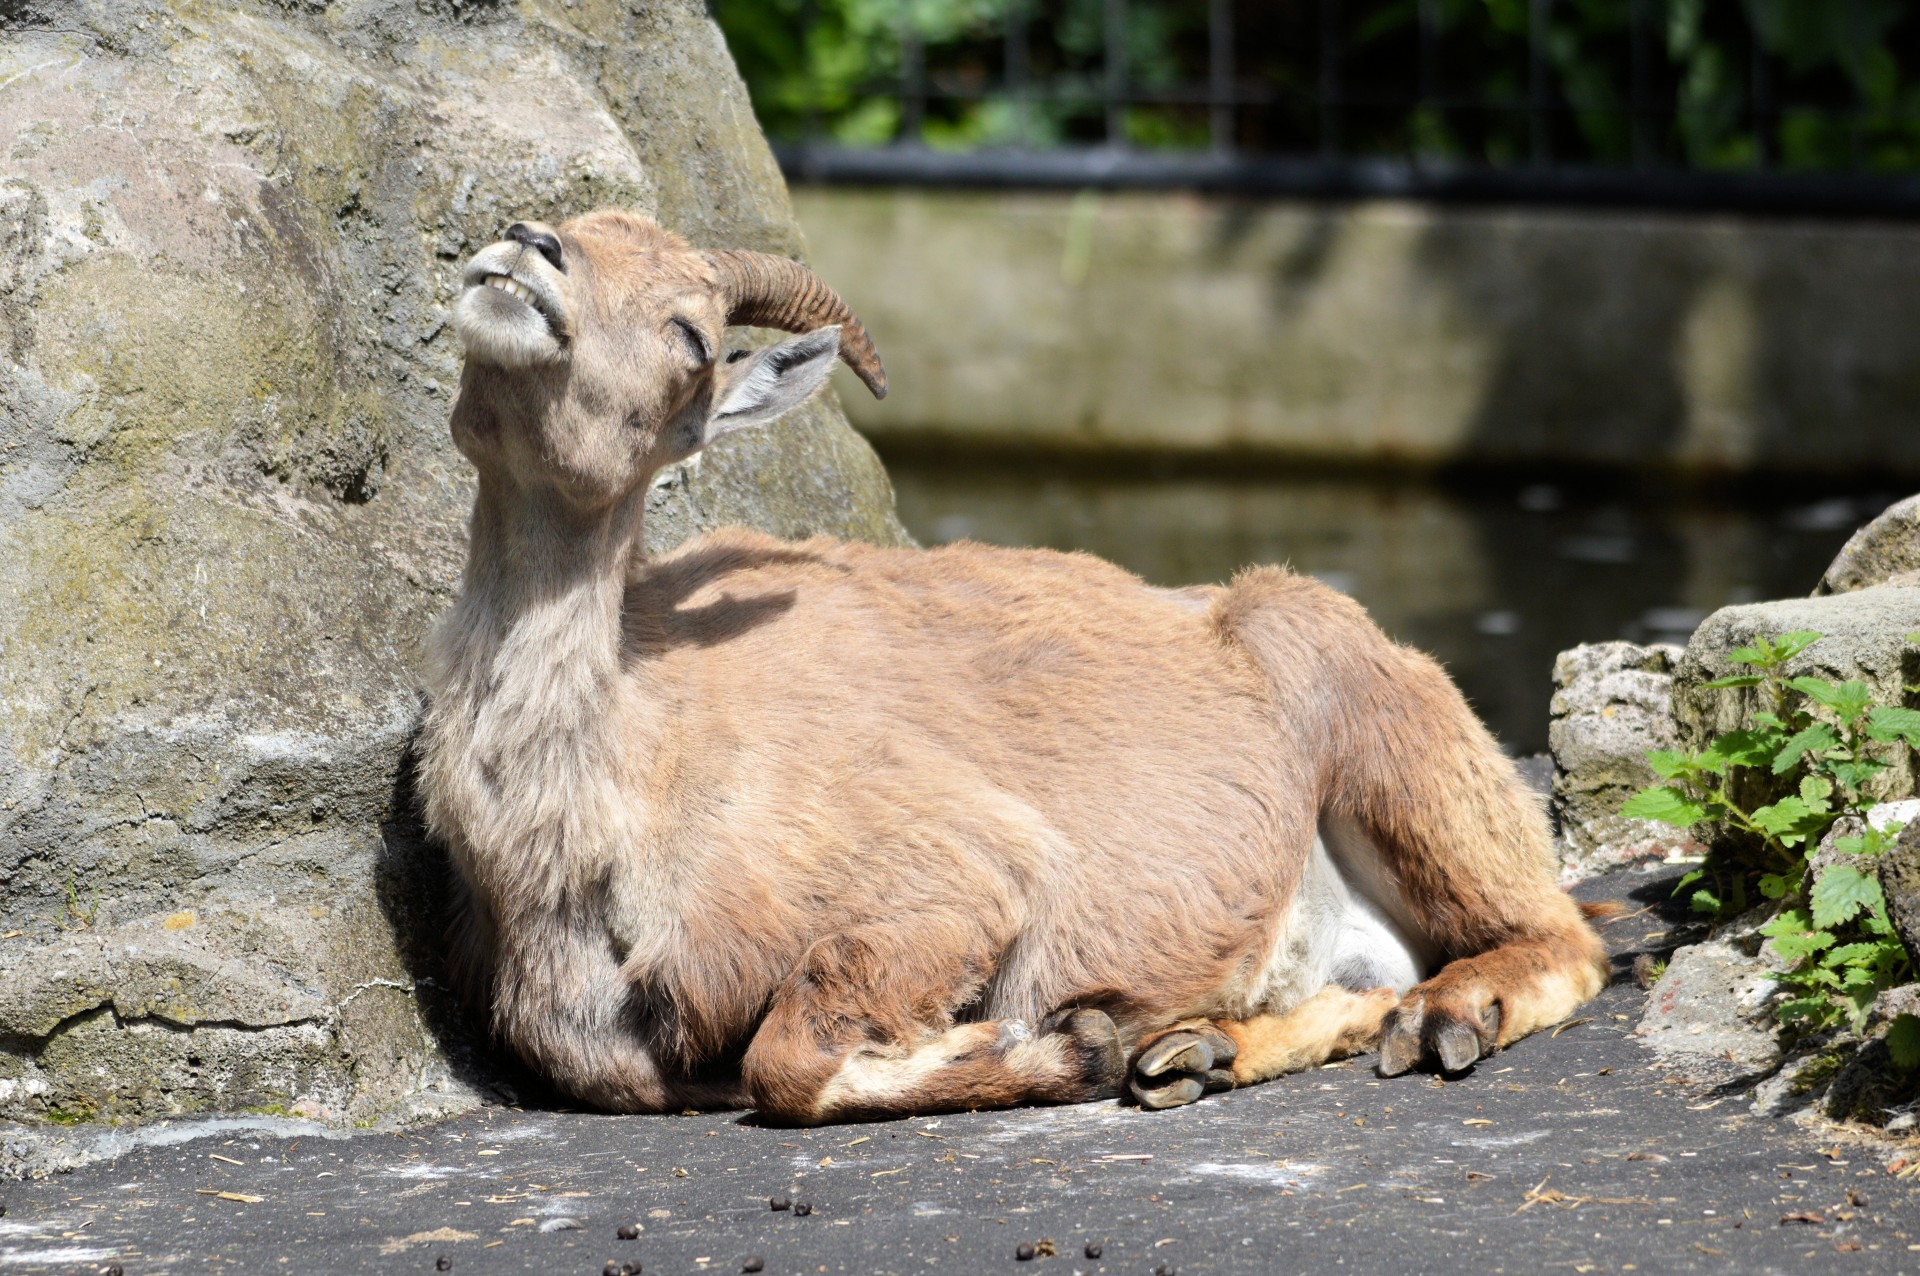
point(1492, 575)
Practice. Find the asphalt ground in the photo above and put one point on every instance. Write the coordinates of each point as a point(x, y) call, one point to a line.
point(1574, 1151)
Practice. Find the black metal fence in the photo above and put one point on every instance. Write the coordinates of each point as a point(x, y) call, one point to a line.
point(1796, 104)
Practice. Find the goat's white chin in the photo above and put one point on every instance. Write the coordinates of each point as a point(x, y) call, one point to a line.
point(495, 328)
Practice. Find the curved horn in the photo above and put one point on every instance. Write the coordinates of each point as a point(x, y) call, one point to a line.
point(766, 291)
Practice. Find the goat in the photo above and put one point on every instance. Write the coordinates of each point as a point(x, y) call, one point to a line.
point(844, 832)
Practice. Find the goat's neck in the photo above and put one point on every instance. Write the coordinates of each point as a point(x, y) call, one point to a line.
point(520, 759)
point(542, 588)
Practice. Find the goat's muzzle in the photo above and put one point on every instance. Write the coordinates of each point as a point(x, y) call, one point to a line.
point(510, 311)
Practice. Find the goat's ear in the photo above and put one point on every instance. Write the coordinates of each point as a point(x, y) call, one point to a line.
point(772, 381)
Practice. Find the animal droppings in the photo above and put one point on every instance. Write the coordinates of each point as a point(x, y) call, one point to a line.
point(1092, 1250)
point(1165, 1269)
point(779, 1203)
point(802, 1210)
point(753, 1263)
point(1023, 1252)
point(627, 1232)
point(443, 1264)
point(114, 1269)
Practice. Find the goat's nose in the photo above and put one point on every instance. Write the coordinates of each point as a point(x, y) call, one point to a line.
point(540, 241)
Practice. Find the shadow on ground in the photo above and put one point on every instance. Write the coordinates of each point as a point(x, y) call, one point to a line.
point(1573, 1151)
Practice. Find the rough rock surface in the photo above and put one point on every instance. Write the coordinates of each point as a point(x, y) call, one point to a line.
point(1900, 882)
point(1886, 550)
point(1872, 1089)
point(1611, 704)
point(1711, 1006)
point(229, 236)
point(1865, 638)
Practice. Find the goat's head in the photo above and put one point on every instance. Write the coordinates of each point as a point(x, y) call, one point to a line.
point(594, 356)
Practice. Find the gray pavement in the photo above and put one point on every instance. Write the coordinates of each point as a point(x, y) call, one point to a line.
point(1574, 1152)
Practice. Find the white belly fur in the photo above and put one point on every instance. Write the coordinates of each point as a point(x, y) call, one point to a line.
point(1348, 925)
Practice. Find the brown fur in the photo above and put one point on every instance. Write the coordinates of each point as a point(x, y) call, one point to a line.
point(830, 828)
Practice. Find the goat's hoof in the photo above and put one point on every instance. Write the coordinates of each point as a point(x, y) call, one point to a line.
point(1181, 1066)
point(1422, 1034)
point(1092, 1048)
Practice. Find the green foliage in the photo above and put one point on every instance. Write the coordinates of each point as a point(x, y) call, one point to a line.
point(1772, 790)
point(1842, 78)
point(837, 67)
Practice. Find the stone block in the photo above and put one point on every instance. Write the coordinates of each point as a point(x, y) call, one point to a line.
point(1865, 638)
point(1610, 708)
point(1885, 551)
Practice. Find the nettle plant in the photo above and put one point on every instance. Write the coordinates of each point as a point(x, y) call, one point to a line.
point(1770, 792)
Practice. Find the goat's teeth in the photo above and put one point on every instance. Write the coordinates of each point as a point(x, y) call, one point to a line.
point(512, 287)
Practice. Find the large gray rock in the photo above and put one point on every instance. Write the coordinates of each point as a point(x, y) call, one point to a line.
point(1865, 638)
point(229, 233)
point(1885, 551)
point(1900, 882)
point(1611, 706)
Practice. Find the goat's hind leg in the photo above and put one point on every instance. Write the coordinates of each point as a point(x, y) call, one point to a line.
point(864, 1031)
point(1201, 1056)
point(1430, 817)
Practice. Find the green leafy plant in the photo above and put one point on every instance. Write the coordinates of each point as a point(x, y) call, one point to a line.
point(1771, 791)
point(1841, 948)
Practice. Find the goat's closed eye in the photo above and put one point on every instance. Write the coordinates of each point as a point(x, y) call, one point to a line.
point(696, 341)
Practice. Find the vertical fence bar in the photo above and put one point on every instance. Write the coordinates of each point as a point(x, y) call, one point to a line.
point(1017, 72)
point(1429, 89)
point(913, 80)
point(1330, 78)
point(1220, 77)
point(1539, 87)
point(810, 124)
point(1114, 17)
point(1639, 89)
point(1857, 118)
point(1760, 96)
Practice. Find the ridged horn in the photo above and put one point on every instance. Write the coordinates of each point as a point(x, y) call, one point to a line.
point(765, 291)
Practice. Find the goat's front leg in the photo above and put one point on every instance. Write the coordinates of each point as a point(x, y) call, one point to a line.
point(567, 1009)
point(864, 1030)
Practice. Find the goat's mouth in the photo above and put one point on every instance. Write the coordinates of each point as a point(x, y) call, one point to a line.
point(508, 315)
point(526, 296)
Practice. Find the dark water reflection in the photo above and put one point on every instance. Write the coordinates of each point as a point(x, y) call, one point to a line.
point(1494, 577)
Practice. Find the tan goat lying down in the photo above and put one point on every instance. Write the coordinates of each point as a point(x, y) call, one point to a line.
point(841, 832)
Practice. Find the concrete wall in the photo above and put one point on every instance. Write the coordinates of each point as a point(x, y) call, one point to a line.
point(1379, 331)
